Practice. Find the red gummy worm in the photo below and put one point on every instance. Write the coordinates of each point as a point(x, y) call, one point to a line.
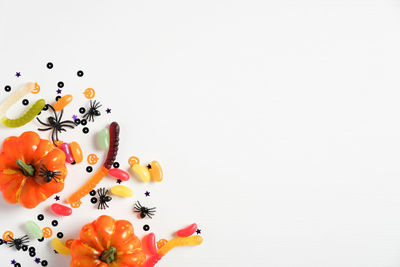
point(187, 231)
point(114, 143)
point(152, 260)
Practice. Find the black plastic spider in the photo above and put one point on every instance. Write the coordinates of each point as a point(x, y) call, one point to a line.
point(49, 175)
point(93, 111)
point(56, 125)
point(103, 198)
point(144, 211)
point(18, 242)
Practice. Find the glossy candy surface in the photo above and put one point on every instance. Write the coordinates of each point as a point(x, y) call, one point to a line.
point(59, 246)
point(61, 209)
point(99, 175)
point(17, 95)
point(62, 102)
point(149, 242)
point(34, 229)
point(29, 115)
point(119, 174)
point(187, 231)
point(141, 172)
point(121, 190)
point(67, 151)
point(76, 151)
point(156, 172)
point(103, 139)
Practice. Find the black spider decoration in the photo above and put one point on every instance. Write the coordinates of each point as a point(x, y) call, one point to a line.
point(93, 111)
point(49, 175)
point(56, 125)
point(18, 242)
point(144, 211)
point(103, 198)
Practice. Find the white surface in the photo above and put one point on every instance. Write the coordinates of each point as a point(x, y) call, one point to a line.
point(277, 122)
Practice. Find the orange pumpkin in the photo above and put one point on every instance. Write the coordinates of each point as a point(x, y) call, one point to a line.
point(107, 243)
point(31, 169)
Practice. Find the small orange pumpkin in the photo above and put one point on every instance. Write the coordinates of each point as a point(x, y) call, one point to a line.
point(31, 169)
point(107, 243)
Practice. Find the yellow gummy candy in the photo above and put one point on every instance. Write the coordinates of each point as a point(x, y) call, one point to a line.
point(193, 240)
point(60, 247)
point(141, 172)
point(122, 191)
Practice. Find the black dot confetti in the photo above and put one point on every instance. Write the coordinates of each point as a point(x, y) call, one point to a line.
point(60, 84)
point(44, 263)
point(82, 110)
point(92, 193)
point(32, 249)
point(77, 121)
point(60, 235)
point(7, 88)
point(58, 97)
point(50, 65)
point(17, 265)
point(83, 122)
point(1, 241)
point(24, 247)
point(25, 102)
point(54, 223)
point(32, 254)
point(116, 165)
point(85, 130)
point(146, 227)
point(40, 217)
point(89, 169)
point(93, 200)
point(41, 239)
point(79, 73)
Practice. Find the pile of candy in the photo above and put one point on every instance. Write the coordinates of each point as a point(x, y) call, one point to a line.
point(33, 169)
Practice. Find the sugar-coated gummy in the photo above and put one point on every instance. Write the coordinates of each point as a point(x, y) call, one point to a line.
point(34, 229)
point(114, 142)
point(61, 209)
point(119, 174)
point(29, 115)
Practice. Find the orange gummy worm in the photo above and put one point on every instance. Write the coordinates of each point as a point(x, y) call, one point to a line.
point(88, 186)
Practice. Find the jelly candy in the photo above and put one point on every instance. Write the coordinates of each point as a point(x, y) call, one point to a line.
point(121, 190)
point(76, 152)
point(29, 115)
point(155, 170)
point(141, 172)
point(61, 209)
point(180, 241)
point(119, 174)
point(187, 231)
point(103, 139)
point(67, 151)
point(34, 229)
point(60, 247)
point(62, 102)
point(149, 242)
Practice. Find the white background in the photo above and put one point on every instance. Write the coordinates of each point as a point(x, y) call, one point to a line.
point(276, 122)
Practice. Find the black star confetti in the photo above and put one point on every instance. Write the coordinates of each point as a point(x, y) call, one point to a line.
point(198, 231)
point(59, 91)
point(108, 110)
point(147, 193)
point(18, 74)
point(57, 198)
point(37, 260)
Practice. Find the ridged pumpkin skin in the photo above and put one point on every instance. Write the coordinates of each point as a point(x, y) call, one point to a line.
point(39, 153)
point(103, 234)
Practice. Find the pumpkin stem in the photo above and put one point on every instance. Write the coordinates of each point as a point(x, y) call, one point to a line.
point(27, 169)
point(108, 255)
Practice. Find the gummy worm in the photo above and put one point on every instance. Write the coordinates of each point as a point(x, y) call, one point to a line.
point(29, 115)
point(180, 241)
point(99, 175)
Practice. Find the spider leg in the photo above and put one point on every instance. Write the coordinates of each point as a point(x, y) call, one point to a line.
point(55, 113)
point(106, 205)
point(61, 114)
point(45, 124)
point(46, 129)
point(66, 122)
point(68, 126)
point(52, 136)
point(85, 116)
